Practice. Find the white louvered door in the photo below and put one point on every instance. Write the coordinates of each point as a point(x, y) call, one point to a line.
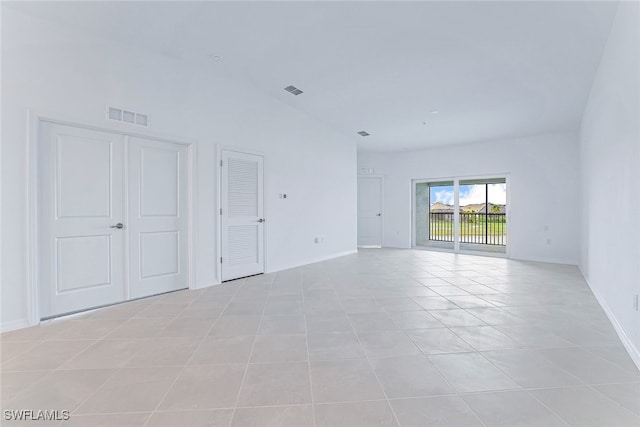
point(242, 215)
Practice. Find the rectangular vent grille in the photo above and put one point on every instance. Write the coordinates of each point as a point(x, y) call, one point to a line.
point(126, 116)
point(293, 90)
point(363, 133)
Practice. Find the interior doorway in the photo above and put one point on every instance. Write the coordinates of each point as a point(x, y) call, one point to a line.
point(242, 214)
point(370, 212)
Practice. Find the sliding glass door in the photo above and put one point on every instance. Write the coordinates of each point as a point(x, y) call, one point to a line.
point(461, 214)
point(434, 214)
point(483, 216)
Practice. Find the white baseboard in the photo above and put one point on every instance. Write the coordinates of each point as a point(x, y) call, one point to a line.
point(13, 325)
point(561, 261)
point(634, 353)
point(311, 261)
point(203, 285)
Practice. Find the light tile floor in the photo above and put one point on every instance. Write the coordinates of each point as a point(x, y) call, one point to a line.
point(381, 338)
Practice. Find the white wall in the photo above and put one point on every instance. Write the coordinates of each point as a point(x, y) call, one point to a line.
point(543, 187)
point(67, 74)
point(610, 177)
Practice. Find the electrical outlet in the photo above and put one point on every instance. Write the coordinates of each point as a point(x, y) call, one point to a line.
point(548, 241)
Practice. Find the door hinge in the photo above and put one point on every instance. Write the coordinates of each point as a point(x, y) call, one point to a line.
point(220, 260)
point(220, 211)
point(220, 163)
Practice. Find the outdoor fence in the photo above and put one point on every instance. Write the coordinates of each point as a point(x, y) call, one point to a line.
point(480, 228)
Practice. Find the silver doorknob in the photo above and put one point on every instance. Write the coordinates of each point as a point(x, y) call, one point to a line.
point(118, 226)
point(261, 220)
point(379, 215)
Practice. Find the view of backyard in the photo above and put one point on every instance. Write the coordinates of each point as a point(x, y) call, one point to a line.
point(482, 228)
point(482, 218)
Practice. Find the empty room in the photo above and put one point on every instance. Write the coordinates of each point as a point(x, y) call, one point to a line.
point(320, 213)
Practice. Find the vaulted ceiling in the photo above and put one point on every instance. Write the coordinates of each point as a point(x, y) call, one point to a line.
point(412, 74)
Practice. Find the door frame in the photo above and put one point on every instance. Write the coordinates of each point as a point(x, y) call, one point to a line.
point(456, 212)
point(219, 149)
point(34, 118)
point(381, 178)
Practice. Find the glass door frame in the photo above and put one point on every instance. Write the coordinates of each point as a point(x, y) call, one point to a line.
point(456, 213)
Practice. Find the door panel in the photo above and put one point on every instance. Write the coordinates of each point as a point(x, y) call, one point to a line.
point(242, 215)
point(159, 253)
point(80, 197)
point(369, 211)
point(90, 160)
point(75, 251)
point(158, 224)
point(160, 180)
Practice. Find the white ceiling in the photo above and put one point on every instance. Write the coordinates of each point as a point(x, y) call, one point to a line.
point(492, 69)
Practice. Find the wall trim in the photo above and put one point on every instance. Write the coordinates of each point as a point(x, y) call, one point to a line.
point(13, 325)
point(204, 285)
point(311, 261)
point(634, 353)
point(571, 262)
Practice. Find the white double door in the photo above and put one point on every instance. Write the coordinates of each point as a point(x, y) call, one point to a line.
point(113, 218)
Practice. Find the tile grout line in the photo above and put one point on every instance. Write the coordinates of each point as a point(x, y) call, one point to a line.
point(160, 401)
point(547, 408)
point(457, 393)
point(255, 339)
point(178, 373)
point(592, 387)
point(386, 397)
point(522, 275)
point(95, 342)
point(306, 338)
point(512, 379)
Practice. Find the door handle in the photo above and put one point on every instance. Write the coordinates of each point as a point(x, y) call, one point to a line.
point(261, 220)
point(118, 226)
point(379, 215)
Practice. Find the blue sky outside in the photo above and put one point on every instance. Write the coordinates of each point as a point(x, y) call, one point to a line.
point(470, 194)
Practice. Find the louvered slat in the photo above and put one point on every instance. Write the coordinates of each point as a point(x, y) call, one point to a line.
point(243, 245)
point(243, 188)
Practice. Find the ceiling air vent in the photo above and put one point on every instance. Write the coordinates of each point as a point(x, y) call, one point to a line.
point(126, 116)
point(363, 133)
point(293, 90)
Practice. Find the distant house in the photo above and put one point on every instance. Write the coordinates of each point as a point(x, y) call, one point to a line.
point(501, 209)
point(473, 208)
point(442, 212)
point(438, 207)
point(441, 208)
